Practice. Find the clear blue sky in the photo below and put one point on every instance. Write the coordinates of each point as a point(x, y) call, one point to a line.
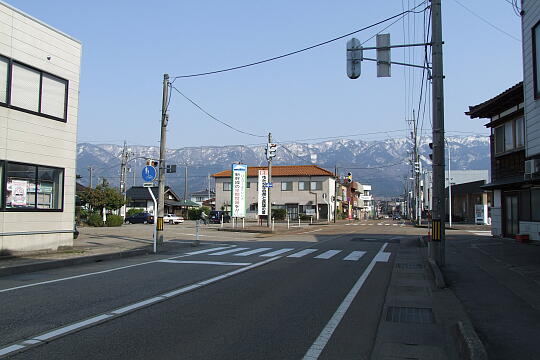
point(129, 45)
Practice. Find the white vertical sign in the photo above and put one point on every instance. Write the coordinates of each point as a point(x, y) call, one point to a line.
point(263, 193)
point(238, 190)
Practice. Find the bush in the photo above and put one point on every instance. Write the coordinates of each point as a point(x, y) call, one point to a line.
point(114, 220)
point(195, 214)
point(95, 219)
point(305, 217)
point(279, 214)
point(132, 212)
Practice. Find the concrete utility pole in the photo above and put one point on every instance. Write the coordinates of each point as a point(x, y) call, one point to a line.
point(439, 211)
point(123, 176)
point(162, 144)
point(335, 193)
point(185, 183)
point(91, 170)
point(268, 189)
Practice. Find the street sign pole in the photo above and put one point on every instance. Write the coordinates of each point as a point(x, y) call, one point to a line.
point(162, 144)
point(155, 206)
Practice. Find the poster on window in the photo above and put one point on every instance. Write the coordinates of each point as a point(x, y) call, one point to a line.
point(263, 193)
point(238, 193)
point(19, 190)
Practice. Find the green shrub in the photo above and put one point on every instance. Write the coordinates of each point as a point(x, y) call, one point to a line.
point(95, 219)
point(114, 220)
point(132, 212)
point(279, 214)
point(195, 214)
point(305, 217)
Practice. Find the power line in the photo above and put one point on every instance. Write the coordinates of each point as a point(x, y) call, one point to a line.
point(215, 118)
point(301, 50)
point(487, 22)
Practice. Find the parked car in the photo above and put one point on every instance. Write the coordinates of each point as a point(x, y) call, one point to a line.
point(396, 217)
point(215, 217)
point(140, 218)
point(173, 219)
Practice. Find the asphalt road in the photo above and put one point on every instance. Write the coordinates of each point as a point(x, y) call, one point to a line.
point(312, 295)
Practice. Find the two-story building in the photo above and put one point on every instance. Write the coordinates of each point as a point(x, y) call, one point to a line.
point(300, 189)
point(39, 100)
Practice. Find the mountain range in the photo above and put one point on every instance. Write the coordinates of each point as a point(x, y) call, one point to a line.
point(384, 164)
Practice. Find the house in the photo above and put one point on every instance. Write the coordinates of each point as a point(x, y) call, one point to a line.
point(299, 189)
point(470, 202)
point(507, 146)
point(139, 197)
point(39, 75)
point(202, 195)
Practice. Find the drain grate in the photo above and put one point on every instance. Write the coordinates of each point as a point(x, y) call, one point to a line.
point(414, 315)
point(409, 266)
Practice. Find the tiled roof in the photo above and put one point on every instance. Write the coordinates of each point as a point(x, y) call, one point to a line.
point(505, 100)
point(141, 193)
point(282, 170)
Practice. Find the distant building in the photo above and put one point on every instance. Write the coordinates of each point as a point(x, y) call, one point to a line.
point(139, 198)
point(203, 195)
point(39, 97)
point(299, 189)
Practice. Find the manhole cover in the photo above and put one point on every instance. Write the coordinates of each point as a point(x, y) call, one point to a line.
point(413, 315)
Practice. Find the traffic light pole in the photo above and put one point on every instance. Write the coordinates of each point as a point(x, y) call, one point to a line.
point(162, 144)
point(437, 251)
point(268, 189)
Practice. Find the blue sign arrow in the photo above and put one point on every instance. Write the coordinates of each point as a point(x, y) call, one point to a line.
point(149, 173)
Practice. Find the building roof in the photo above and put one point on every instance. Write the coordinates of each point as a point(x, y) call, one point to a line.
point(203, 193)
point(282, 170)
point(473, 187)
point(141, 193)
point(494, 106)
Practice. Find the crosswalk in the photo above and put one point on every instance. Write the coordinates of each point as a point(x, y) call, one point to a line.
point(267, 252)
point(375, 224)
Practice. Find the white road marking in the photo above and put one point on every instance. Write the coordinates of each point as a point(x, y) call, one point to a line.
point(251, 252)
point(62, 331)
point(312, 231)
point(318, 346)
point(277, 252)
point(204, 262)
point(224, 252)
point(354, 256)
point(302, 253)
point(327, 254)
point(208, 250)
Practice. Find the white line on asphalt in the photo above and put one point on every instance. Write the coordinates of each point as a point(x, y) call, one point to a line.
point(277, 252)
point(354, 256)
point(228, 251)
point(208, 250)
point(251, 252)
point(312, 231)
point(62, 331)
point(302, 253)
point(327, 254)
point(204, 262)
point(318, 346)
point(90, 274)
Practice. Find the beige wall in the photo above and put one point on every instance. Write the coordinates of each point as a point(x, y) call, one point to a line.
point(37, 140)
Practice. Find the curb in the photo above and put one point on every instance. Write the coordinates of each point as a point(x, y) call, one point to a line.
point(439, 279)
point(469, 345)
point(69, 262)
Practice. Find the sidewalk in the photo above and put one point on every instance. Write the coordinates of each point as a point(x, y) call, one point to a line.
point(498, 283)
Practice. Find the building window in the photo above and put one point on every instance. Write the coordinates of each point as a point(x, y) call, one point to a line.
point(536, 59)
point(286, 186)
point(499, 139)
point(28, 89)
point(33, 187)
point(303, 185)
point(508, 136)
point(520, 133)
point(248, 184)
point(316, 185)
point(253, 207)
point(227, 186)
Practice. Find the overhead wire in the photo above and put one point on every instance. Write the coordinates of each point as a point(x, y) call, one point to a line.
point(303, 49)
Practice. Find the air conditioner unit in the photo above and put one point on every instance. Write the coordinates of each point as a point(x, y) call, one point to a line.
point(532, 166)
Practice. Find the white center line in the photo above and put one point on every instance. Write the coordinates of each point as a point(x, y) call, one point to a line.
point(302, 253)
point(228, 251)
point(251, 252)
point(328, 254)
point(354, 256)
point(277, 252)
point(318, 346)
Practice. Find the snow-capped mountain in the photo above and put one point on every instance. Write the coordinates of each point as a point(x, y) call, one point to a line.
point(384, 164)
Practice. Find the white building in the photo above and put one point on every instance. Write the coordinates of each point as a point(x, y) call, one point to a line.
point(39, 87)
point(300, 189)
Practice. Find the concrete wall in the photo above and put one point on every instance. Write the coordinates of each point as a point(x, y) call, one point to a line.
point(530, 228)
point(37, 140)
point(531, 16)
point(279, 197)
point(496, 213)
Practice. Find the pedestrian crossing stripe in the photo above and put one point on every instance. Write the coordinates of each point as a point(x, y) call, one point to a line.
point(271, 252)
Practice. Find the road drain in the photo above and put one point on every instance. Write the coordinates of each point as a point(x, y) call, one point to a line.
point(412, 315)
point(409, 266)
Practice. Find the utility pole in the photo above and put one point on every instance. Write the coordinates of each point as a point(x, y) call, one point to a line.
point(439, 210)
point(162, 147)
point(208, 177)
point(185, 184)
point(123, 175)
point(91, 170)
point(268, 189)
point(335, 193)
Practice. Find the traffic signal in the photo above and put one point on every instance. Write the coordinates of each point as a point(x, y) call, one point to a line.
point(431, 154)
point(271, 150)
point(417, 167)
point(150, 162)
point(349, 177)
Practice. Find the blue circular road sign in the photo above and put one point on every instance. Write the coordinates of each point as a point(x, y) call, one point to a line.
point(148, 173)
